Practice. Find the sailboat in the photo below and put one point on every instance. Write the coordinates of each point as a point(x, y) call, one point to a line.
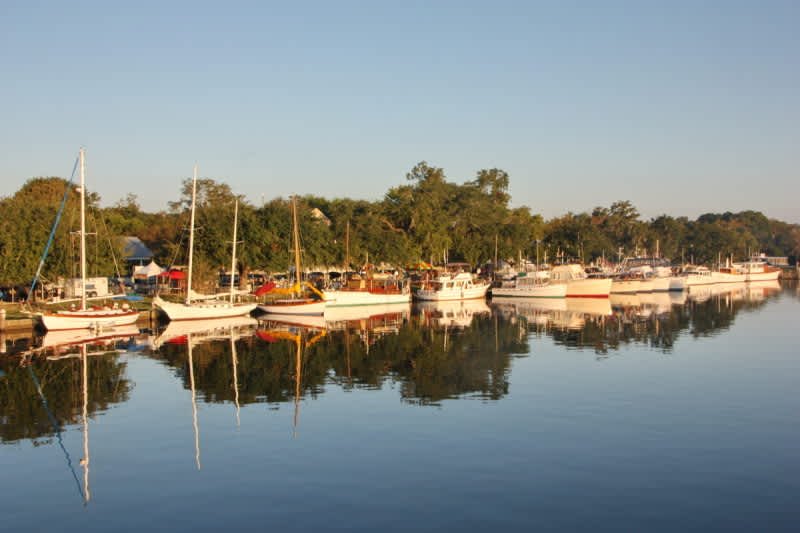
point(84, 317)
point(298, 303)
point(199, 307)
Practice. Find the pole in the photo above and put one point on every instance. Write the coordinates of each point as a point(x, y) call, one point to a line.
point(347, 247)
point(83, 228)
point(191, 238)
point(296, 240)
point(233, 254)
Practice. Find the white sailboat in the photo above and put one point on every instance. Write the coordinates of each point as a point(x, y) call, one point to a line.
point(297, 303)
point(83, 317)
point(196, 307)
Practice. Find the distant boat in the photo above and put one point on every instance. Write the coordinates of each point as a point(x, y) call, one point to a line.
point(85, 317)
point(196, 306)
point(446, 286)
point(531, 285)
point(758, 270)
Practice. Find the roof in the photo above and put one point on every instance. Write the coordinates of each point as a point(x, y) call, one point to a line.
point(133, 249)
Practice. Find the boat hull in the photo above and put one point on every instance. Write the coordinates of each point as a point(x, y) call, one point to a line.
point(446, 295)
point(661, 284)
point(589, 288)
point(553, 290)
point(347, 298)
point(764, 276)
point(294, 306)
point(88, 319)
point(202, 310)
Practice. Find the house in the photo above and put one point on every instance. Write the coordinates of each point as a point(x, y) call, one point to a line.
point(135, 252)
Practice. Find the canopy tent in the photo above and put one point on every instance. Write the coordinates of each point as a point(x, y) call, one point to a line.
point(147, 271)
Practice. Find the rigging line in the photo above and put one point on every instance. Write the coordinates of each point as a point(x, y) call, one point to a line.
point(108, 239)
point(56, 428)
point(55, 226)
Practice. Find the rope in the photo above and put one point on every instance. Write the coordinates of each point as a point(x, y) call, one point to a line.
point(53, 229)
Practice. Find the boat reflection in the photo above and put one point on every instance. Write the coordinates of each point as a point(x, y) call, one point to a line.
point(450, 314)
point(196, 332)
point(52, 371)
point(426, 354)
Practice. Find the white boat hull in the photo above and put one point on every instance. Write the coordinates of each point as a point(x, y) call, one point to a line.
point(202, 310)
point(294, 306)
point(589, 288)
point(763, 276)
point(661, 284)
point(552, 290)
point(443, 295)
point(347, 298)
point(88, 319)
point(677, 283)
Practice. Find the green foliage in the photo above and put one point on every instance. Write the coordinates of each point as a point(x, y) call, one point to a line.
point(427, 217)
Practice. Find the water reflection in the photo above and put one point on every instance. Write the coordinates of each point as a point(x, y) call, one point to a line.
point(429, 353)
point(73, 375)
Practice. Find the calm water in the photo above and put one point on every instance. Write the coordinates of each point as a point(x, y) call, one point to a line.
point(657, 413)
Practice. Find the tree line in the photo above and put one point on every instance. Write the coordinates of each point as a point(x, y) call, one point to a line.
point(427, 218)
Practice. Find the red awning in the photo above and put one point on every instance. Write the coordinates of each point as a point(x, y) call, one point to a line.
point(173, 274)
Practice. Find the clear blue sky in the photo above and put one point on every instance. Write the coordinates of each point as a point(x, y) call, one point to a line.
point(680, 107)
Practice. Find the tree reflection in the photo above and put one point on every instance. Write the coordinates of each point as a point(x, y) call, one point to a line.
point(24, 411)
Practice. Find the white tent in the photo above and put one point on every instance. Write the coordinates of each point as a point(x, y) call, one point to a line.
point(147, 271)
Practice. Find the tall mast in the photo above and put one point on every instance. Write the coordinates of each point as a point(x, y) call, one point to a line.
point(83, 228)
point(191, 238)
point(233, 254)
point(296, 241)
point(347, 247)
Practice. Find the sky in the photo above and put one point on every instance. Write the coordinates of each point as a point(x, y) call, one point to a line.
point(680, 107)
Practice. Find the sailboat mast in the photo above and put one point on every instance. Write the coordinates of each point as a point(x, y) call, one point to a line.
point(347, 247)
point(296, 240)
point(233, 254)
point(83, 228)
point(191, 238)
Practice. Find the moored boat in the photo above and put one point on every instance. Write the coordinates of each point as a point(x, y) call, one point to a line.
point(530, 285)
point(460, 286)
point(579, 284)
point(199, 307)
point(368, 290)
point(85, 317)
